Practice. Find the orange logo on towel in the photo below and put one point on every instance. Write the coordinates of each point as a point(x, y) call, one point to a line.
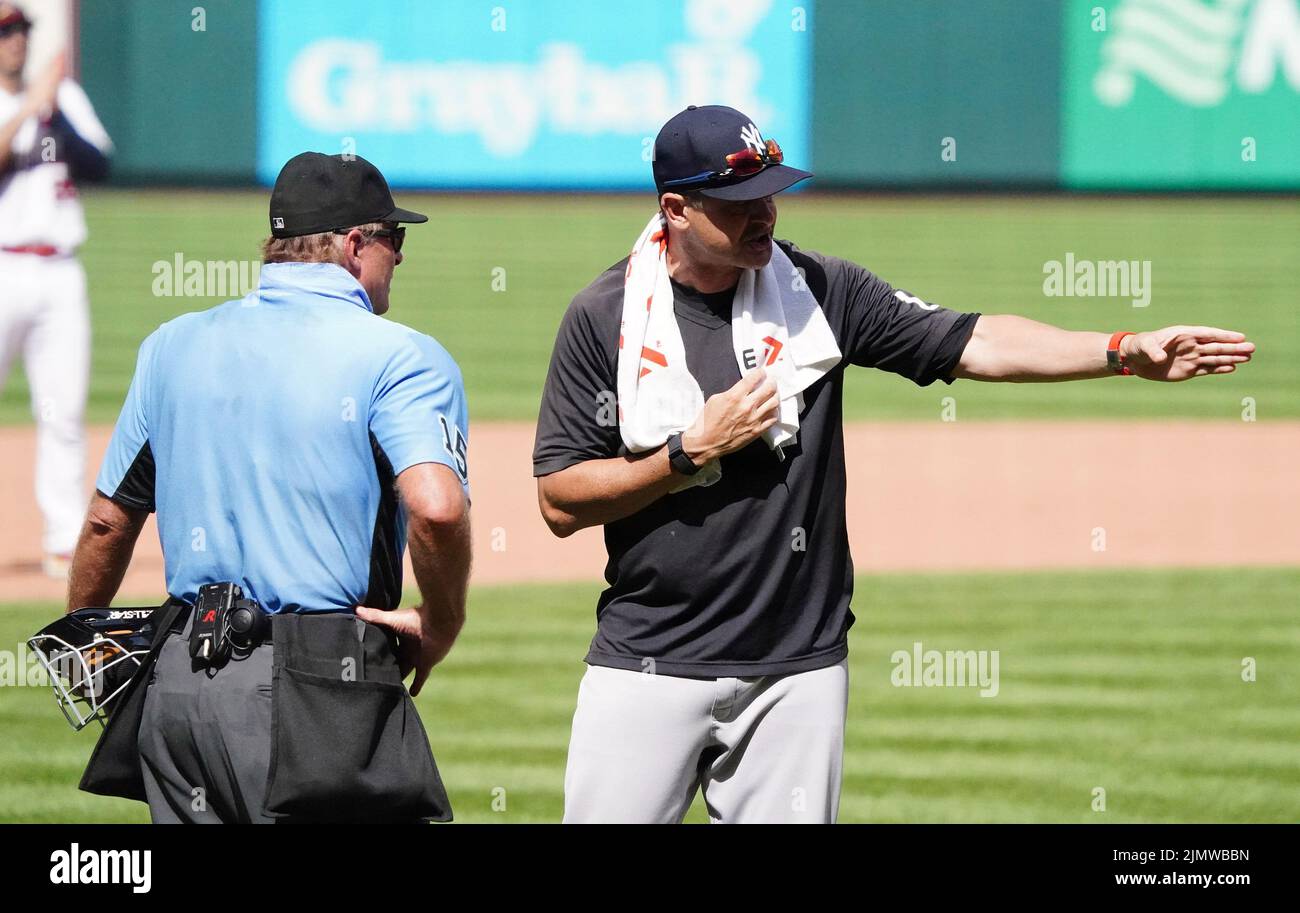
point(771, 352)
point(649, 354)
point(774, 347)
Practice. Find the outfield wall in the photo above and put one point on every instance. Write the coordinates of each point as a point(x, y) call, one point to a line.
point(180, 103)
point(1091, 94)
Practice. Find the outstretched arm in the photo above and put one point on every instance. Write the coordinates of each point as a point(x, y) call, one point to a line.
point(1005, 347)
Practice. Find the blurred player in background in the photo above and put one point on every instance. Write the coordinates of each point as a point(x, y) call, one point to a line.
point(49, 139)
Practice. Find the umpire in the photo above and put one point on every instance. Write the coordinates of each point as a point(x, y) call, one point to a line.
point(292, 443)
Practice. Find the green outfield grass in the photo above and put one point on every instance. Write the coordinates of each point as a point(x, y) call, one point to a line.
point(1229, 262)
point(1130, 682)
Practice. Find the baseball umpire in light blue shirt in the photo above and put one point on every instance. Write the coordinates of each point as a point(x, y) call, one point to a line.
point(291, 443)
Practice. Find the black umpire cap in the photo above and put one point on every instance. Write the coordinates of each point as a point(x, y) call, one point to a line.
point(316, 193)
point(718, 152)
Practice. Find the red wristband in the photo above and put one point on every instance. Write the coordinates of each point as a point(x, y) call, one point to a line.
point(1114, 360)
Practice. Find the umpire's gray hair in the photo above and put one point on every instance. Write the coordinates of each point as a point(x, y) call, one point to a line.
point(325, 247)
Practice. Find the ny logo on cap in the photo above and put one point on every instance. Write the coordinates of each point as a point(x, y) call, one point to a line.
point(277, 222)
point(753, 139)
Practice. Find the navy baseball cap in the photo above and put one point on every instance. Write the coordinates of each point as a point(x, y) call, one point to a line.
point(691, 155)
point(12, 18)
point(316, 193)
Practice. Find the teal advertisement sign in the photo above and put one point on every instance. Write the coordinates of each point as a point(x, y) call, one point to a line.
point(1167, 94)
point(544, 94)
point(936, 92)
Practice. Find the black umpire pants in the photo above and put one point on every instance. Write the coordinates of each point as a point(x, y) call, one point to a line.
point(315, 726)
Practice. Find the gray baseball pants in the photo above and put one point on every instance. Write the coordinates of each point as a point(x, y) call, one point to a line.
point(205, 738)
point(317, 727)
point(761, 750)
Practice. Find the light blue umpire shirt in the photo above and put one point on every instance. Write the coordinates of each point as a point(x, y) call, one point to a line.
point(267, 433)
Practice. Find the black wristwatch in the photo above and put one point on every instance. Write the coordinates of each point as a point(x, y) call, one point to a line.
point(678, 458)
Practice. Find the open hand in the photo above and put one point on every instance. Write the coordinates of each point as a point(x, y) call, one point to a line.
point(733, 418)
point(1178, 353)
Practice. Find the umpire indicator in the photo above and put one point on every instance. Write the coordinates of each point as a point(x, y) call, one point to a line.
point(225, 621)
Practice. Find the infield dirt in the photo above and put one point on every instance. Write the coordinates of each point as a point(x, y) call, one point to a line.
point(933, 496)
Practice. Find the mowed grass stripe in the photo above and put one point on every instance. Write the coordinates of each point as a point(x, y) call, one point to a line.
point(1089, 698)
point(1127, 681)
point(1218, 754)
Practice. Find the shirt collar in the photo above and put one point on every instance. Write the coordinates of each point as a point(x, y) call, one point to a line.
point(281, 281)
point(708, 309)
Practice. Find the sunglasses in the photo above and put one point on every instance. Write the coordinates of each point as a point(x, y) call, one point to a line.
point(396, 235)
point(742, 164)
point(21, 27)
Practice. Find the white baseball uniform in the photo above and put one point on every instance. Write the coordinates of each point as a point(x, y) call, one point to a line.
point(44, 313)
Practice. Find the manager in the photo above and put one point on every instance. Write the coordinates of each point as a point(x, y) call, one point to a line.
point(292, 442)
point(693, 408)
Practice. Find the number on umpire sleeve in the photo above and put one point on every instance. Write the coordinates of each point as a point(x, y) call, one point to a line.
point(457, 450)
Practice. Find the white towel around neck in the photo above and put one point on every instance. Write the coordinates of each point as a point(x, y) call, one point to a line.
point(776, 324)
